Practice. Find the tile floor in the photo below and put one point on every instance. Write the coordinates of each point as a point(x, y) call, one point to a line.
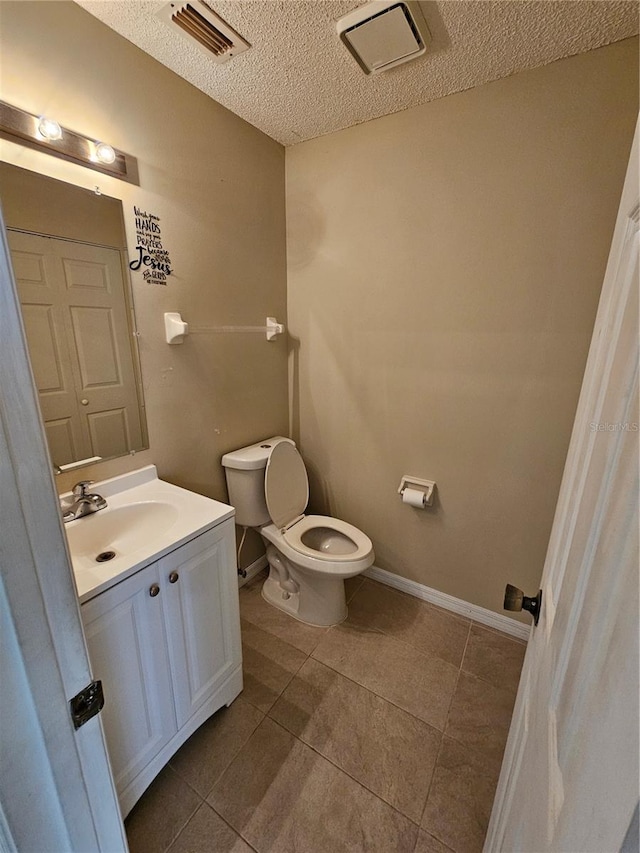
point(382, 735)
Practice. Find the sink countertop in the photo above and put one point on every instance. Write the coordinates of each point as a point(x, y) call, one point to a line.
point(175, 516)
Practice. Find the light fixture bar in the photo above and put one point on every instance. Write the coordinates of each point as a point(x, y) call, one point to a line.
point(19, 125)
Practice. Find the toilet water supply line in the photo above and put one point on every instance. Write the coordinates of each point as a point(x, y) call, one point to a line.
point(241, 572)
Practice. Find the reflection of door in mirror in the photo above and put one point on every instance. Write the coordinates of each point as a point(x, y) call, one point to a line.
point(69, 255)
point(75, 316)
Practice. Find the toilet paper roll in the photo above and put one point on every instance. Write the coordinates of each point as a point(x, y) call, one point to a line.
point(413, 497)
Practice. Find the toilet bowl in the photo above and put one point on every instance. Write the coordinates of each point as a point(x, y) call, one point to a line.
point(309, 555)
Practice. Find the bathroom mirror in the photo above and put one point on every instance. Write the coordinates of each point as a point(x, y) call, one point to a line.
point(69, 255)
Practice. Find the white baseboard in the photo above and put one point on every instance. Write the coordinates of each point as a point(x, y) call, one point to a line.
point(449, 602)
point(252, 570)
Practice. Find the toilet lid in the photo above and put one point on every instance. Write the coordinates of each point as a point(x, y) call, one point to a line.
point(286, 487)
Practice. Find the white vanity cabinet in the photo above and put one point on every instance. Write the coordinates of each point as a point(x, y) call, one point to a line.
point(165, 642)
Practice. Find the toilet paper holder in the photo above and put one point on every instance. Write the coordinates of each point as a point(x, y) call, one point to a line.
point(427, 487)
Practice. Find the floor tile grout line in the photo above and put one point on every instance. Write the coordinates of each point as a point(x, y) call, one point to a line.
point(491, 630)
point(439, 732)
point(228, 764)
point(431, 831)
point(379, 695)
point(255, 707)
point(346, 773)
point(426, 799)
point(362, 687)
point(244, 618)
point(442, 734)
point(375, 630)
point(394, 639)
point(293, 675)
point(223, 818)
point(466, 646)
point(184, 826)
point(490, 683)
point(182, 778)
point(475, 750)
point(455, 686)
point(421, 654)
point(173, 840)
point(403, 642)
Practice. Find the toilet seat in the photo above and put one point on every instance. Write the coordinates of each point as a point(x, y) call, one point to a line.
point(308, 524)
point(327, 565)
point(314, 542)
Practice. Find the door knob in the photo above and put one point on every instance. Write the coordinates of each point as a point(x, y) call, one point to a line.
point(515, 599)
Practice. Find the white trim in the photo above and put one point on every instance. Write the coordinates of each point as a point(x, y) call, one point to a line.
point(252, 570)
point(449, 602)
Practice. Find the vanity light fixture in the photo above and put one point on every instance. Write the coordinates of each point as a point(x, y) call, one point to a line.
point(105, 153)
point(45, 134)
point(49, 129)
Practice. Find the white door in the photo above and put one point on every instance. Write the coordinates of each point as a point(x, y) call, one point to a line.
point(201, 613)
point(76, 320)
point(56, 789)
point(124, 627)
point(569, 780)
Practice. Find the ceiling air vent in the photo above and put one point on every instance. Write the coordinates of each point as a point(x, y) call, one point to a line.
point(383, 34)
point(200, 24)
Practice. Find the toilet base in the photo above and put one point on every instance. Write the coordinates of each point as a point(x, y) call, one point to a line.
point(319, 601)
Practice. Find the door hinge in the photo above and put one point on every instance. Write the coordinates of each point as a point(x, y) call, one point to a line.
point(87, 703)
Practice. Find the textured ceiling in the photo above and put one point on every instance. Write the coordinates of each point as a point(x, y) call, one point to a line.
point(298, 81)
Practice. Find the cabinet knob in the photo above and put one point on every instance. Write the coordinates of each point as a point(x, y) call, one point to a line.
point(173, 577)
point(84, 402)
point(154, 589)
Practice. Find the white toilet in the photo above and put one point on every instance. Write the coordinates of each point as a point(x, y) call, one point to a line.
point(309, 555)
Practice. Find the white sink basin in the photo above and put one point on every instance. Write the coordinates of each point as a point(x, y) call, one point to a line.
point(121, 530)
point(145, 518)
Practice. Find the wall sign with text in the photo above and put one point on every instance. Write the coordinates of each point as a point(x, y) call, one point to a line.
point(151, 256)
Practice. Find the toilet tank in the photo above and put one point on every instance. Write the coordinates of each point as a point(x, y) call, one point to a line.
point(244, 470)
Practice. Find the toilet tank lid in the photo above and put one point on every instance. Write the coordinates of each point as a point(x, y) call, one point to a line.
point(254, 456)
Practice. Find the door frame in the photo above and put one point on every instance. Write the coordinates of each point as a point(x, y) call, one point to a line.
point(37, 587)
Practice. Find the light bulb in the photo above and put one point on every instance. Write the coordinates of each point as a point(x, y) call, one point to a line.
point(105, 153)
point(49, 129)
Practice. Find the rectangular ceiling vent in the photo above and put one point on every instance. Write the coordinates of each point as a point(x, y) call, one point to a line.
point(206, 30)
point(383, 34)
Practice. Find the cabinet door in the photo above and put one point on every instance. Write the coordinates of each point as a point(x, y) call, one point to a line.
point(128, 650)
point(201, 605)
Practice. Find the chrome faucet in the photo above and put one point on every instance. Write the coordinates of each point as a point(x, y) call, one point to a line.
point(84, 503)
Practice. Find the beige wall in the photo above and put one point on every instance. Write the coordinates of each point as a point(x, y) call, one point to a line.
point(444, 266)
point(217, 185)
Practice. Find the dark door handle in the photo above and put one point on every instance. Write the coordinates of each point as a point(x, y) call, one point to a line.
point(515, 599)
